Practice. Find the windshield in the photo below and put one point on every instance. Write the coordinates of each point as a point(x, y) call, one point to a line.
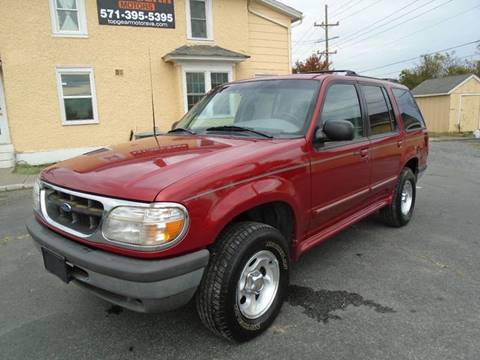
point(278, 108)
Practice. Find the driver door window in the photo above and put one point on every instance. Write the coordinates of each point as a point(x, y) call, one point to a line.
point(342, 103)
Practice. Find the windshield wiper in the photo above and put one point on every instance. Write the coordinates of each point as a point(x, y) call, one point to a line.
point(239, 129)
point(182, 130)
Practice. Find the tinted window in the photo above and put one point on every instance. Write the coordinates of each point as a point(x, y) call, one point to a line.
point(341, 103)
point(412, 119)
point(390, 110)
point(378, 112)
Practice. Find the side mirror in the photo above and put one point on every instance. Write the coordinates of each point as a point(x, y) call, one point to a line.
point(174, 125)
point(339, 130)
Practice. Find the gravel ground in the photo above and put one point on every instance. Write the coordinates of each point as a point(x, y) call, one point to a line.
point(371, 292)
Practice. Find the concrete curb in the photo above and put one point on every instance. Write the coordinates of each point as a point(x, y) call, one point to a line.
point(14, 187)
point(452, 139)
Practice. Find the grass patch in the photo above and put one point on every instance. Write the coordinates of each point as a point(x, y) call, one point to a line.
point(25, 169)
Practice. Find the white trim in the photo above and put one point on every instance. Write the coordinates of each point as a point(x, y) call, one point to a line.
point(82, 21)
point(464, 81)
point(207, 69)
point(51, 156)
point(209, 19)
point(5, 138)
point(256, 13)
point(429, 95)
point(294, 14)
point(183, 58)
point(76, 70)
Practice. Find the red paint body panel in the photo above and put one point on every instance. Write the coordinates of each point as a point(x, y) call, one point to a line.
point(219, 177)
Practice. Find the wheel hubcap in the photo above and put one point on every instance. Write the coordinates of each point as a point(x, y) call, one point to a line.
point(258, 284)
point(407, 197)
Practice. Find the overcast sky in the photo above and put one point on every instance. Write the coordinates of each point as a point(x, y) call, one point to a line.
point(371, 33)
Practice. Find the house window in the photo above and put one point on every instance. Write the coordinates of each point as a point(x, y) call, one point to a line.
point(68, 17)
point(195, 87)
point(199, 19)
point(76, 90)
point(198, 83)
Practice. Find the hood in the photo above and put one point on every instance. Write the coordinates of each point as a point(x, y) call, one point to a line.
point(139, 170)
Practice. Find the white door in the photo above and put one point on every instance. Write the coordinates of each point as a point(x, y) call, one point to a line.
point(4, 135)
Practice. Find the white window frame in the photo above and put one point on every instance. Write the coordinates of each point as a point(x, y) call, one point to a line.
point(209, 16)
point(207, 69)
point(82, 21)
point(76, 70)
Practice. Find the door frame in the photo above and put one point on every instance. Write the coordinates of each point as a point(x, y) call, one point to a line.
point(5, 132)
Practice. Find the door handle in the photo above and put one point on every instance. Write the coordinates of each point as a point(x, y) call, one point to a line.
point(399, 143)
point(362, 153)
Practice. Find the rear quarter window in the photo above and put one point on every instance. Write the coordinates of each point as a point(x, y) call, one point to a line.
point(412, 118)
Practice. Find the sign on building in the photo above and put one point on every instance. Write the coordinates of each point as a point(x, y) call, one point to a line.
point(143, 13)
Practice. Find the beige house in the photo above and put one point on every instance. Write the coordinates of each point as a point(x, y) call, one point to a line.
point(450, 104)
point(79, 74)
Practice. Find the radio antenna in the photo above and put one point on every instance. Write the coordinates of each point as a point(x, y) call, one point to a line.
point(151, 95)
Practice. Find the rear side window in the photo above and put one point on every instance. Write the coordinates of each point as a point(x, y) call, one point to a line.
point(412, 118)
point(379, 112)
point(342, 103)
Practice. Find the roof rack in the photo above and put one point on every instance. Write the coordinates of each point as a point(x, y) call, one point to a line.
point(352, 73)
point(347, 72)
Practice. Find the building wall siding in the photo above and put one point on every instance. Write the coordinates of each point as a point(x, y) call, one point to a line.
point(268, 42)
point(435, 110)
point(30, 54)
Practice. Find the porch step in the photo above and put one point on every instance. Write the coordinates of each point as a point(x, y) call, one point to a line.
point(7, 156)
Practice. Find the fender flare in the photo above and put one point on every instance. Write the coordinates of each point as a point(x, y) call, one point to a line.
point(250, 195)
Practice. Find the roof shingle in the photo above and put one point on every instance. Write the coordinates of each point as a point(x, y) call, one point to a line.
point(440, 85)
point(206, 51)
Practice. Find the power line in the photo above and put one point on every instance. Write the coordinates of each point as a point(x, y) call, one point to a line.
point(348, 8)
point(356, 12)
point(395, 41)
point(335, 11)
point(416, 57)
point(368, 27)
point(403, 22)
point(397, 71)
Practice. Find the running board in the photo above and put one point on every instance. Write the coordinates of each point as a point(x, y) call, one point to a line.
point(316, 239)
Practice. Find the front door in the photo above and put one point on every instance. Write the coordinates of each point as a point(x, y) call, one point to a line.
point(340, 170)
point(4, 136)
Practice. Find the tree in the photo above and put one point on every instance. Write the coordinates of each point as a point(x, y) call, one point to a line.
point(311, 64)
point(438, 65)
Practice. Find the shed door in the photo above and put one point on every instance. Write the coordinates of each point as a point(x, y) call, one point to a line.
point(470, 119)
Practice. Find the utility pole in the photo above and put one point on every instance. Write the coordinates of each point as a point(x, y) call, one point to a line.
point(325, 25)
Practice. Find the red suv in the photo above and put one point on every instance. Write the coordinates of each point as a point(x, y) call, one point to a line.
point(256, 174)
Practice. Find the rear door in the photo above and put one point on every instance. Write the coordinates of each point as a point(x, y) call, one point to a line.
point(340, 170)
point(385, 139)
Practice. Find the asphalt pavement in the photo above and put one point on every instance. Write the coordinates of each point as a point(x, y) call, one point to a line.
point(371, 292)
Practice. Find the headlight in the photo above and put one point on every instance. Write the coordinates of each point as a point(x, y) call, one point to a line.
point(36, 194)
point(155, 226)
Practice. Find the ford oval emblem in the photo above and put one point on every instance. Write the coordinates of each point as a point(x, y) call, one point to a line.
point(66, 207)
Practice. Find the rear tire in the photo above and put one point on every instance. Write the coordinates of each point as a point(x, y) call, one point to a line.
point(245, 282)
point(400, 211)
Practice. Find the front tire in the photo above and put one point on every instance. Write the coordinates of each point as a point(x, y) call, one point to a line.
point(245, 282)
point(400, 211)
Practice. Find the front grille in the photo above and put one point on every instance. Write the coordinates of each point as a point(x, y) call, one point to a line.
point(75, 212)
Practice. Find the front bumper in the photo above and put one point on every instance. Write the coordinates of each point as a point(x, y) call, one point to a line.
point(139, 285)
